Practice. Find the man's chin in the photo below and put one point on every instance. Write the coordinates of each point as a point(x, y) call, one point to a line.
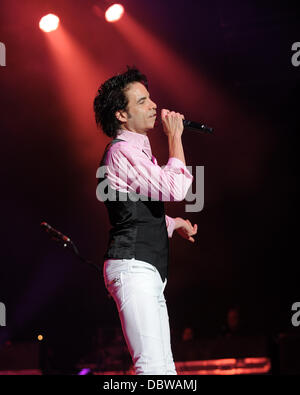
point(154, 124)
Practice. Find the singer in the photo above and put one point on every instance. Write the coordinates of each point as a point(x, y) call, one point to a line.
point(136, 260)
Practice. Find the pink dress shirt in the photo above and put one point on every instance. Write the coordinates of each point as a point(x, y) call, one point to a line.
point(131, 167)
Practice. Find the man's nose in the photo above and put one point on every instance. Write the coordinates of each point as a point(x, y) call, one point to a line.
point(152, 104)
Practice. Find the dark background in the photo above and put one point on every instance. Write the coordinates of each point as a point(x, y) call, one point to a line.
point(227, 63)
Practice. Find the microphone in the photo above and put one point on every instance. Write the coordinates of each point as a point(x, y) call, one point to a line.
point(196, 126)
point(55, 233)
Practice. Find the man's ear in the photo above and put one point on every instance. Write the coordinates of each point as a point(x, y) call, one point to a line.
point(121, 116)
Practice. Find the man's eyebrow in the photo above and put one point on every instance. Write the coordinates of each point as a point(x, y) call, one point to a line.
point(142, 98)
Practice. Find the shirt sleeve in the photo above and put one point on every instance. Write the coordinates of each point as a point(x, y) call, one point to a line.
point(170, 223)
point(130, 170)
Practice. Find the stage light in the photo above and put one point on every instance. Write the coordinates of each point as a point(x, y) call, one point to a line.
point(114, 13)
point(40, 337)
point(85, 372)
point(49, 23)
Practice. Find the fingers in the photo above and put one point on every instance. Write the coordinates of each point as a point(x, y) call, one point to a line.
point(165, 112)
point(192, 234)
point(172, 123)
point(186, 229)
point(193, 229)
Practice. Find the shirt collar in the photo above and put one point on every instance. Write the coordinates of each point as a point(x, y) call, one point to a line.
point(138, 140)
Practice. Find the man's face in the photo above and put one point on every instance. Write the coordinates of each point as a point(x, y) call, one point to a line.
point(141, 110)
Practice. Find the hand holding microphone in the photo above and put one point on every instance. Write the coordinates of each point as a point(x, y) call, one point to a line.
point(174, 124)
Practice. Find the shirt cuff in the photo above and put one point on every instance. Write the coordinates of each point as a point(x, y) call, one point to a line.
point(179, 167)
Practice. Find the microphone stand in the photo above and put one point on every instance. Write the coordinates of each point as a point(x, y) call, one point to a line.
point(68, 244)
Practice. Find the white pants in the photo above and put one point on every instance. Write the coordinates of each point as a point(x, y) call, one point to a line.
point(137, 289)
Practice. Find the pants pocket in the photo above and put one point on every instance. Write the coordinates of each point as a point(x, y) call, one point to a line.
point(114, 285)
point(114, 282)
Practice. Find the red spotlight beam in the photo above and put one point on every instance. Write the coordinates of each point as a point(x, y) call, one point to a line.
point(78, 78)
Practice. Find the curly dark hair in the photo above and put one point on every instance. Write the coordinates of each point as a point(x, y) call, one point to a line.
point(111, 98)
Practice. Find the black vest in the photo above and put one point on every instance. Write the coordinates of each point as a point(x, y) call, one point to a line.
point(138, 227)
